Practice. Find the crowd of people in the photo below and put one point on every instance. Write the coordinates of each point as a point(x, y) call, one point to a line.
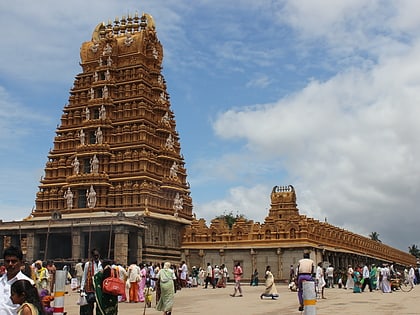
point(355, 278)
point(30, 286)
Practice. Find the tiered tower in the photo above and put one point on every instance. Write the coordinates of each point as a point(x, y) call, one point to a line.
point(117, 147)
point(117, 151)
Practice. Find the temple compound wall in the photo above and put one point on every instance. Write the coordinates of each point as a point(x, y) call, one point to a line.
point(281, 241)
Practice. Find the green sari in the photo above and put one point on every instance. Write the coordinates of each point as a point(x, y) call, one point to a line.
point(167, 290)
point(106, 304)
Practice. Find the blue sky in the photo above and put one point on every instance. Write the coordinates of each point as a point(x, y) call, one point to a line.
point(322, 95)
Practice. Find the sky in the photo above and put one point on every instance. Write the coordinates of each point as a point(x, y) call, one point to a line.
point(322, 95)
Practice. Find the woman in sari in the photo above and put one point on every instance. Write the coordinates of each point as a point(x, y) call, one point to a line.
point(270, 287)
point(166, 277)
point(106, 304)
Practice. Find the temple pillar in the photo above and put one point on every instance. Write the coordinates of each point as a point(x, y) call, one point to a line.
point(253, 260)
point(280, 263)
point(76, 247)
point(35, 245)
point(139, 246)
point(2, 244)
point(222, 256)
point(202, 255)
point(121, 247)
point(30, 246)
point(187, 257)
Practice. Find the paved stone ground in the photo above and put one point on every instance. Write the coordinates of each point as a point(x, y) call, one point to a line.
point(219, 302)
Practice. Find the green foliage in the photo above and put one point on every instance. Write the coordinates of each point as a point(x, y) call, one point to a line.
point(230, 218)
point(374, 236)
point(413, 250)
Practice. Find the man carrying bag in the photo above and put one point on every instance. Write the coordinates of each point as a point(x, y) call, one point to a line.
point(93, 266)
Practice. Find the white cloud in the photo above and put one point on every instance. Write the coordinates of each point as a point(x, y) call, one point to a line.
point(351, 142)
point(253, 202)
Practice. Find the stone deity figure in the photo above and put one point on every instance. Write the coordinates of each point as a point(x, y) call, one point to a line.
point(82, 137)
point(169, 142)
point(68, 196)
point(95, 46)
point(173, 170)
point(105, 92)
point(99, 136)
point(155, 53)
point(107, 75)
point(109, 62)
point(129, 40)
point(95, 76)
point(76, 166)
point(92, 93)
point(87, 113)
point(102, 112)
point(91, 197)
point(178, 204)
point(165, 119)
point(94, 165)
point(107, 50)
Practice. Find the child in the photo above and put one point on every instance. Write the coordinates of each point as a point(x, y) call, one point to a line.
point(25, 294)
point(46, 300)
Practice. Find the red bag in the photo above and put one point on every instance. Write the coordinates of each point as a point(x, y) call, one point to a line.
point(113, 285)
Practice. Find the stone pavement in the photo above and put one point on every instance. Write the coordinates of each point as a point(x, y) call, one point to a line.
point(219, 302)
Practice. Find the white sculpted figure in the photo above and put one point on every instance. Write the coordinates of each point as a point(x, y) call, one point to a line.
point(76, 166)
point(178, 204)
point(82, 137)
point(173, 170)
point(107, 50)
point(95, 46)
point(169, 142)
point(91, 197)
point(165, 119)
point(94, 165)
point(129, 40)
point(87, 113)
point(105, 92)
point(102, 112)
point(99, 136)
point(68, 196)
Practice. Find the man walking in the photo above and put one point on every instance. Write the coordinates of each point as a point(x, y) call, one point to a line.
point(330, 276)
point(366, 278)
point(237, 274)
point(305, 270)
point(92, 266)
point(209, 276)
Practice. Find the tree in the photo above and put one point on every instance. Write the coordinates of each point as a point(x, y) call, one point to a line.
point(413, 250)
point(374, 236)
point(230, 218)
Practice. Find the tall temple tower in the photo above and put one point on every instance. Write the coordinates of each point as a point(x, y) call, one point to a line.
point(116, 174)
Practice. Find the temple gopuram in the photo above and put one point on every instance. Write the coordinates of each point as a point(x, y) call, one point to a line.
point(281, 241)
point(115, 178)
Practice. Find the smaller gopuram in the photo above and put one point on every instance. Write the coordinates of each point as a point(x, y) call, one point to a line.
point(281, 241)
point(115, 178)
